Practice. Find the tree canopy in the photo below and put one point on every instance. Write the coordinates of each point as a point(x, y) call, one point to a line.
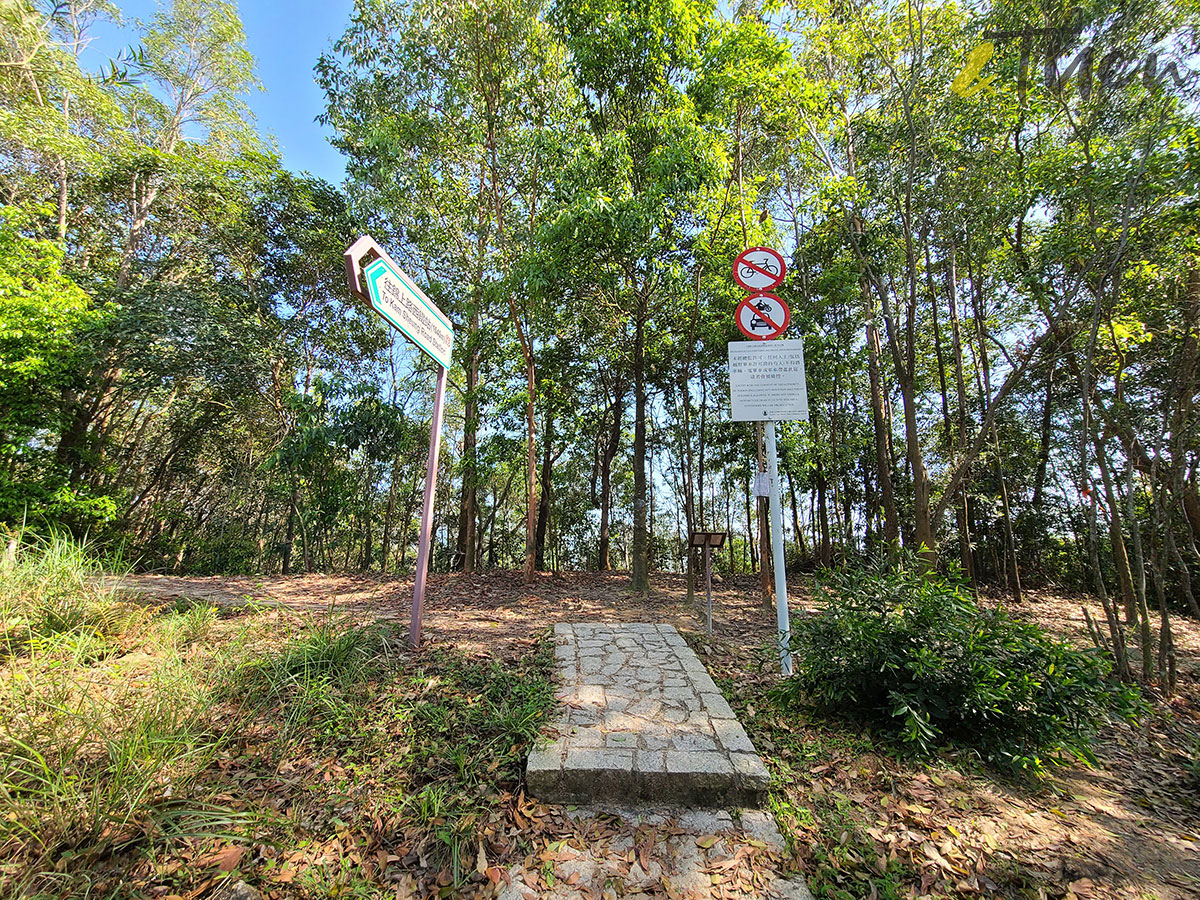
point(988, 214)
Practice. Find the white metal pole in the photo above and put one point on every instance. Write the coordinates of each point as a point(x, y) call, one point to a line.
point(435, 441)
point(782, 620)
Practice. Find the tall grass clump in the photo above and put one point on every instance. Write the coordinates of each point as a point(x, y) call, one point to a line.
point(910, 654)
point(54, 596)
point(95, 754)
point(317, 682)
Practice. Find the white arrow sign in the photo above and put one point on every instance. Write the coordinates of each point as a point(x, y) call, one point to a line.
point(395, 297)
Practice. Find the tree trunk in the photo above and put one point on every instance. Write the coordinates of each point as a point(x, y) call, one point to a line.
point(1039, 479)
point(1116, 534)
point(609, 454)
point(823, 515)
point(543, 518)
point(640, 549)
point(962, 512)
point(530, 471)
point(291, 531)
point(468, 514)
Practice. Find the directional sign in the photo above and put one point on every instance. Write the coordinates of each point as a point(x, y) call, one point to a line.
point(759, 269)
point(766, 381)
point(762, 317)
point(395, 297)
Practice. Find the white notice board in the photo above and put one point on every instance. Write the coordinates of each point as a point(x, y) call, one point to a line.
point(766, 381)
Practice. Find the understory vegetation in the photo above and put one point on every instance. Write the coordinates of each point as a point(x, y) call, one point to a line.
point(991, 260)
point(913, 656)
point(169, 744)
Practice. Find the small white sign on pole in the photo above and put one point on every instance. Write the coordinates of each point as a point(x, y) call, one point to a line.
point(766, 381)
point(762, 484)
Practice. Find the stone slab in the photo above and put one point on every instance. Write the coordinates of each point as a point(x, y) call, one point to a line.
point(640, 719)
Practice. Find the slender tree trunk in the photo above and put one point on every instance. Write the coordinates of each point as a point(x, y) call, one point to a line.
point(468, 514)
point(962, 509)
point(823, 515)
point(291, 531)
point(1116, 534)
point(543, 519)
point(882, 429)
point(609, 454)
point(530, 472)
point(640, 548)
point(1039, 479)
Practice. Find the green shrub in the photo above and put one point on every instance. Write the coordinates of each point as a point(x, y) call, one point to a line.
point(918, 661)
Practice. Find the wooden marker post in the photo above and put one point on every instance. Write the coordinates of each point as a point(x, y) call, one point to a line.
point(710, 541)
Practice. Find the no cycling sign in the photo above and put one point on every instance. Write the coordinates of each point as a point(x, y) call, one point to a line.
point(762, 316)
point(759, 269)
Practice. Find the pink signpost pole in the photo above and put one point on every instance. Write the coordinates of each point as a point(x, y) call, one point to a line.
point(435, 443)
point(405, 307)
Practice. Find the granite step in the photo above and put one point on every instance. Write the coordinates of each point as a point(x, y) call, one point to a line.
point(640, 718)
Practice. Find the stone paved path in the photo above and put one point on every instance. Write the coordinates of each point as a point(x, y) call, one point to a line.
point(647, 853)
point(640, 719)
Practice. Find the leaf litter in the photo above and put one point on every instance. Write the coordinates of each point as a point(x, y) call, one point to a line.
point(858, 821)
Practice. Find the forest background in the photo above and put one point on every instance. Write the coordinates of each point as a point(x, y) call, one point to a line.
point(996, 273)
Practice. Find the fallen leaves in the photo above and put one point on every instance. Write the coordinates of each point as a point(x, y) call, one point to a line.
point(224, 860)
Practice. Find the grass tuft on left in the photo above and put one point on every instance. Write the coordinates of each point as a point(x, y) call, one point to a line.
point(150, 750)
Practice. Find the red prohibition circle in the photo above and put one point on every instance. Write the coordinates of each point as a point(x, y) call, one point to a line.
point(762, 316)
point(764, 273)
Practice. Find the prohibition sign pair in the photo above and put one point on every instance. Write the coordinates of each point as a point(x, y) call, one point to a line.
point(761, 316)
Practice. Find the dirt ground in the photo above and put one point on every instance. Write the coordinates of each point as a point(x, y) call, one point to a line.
point(1128, 828)
point(492, 613)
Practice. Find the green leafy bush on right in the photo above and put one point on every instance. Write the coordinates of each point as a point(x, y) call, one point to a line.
point(913, 656)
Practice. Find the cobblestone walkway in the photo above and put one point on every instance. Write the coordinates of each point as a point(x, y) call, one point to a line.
point(640, 719)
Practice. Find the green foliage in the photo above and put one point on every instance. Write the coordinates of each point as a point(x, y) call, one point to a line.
point(467, 725)
point(43, 319)
point(912, 656)
point(190, 624)
point(316, 681)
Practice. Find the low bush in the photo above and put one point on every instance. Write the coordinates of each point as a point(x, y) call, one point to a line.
point(912, 656)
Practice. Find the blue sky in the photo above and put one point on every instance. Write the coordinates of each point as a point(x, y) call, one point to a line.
point(286, 37)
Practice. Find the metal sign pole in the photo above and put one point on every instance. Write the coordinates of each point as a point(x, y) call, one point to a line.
point(404, 306)
point(708, 582)
point(783, 622)
point(435, 443)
